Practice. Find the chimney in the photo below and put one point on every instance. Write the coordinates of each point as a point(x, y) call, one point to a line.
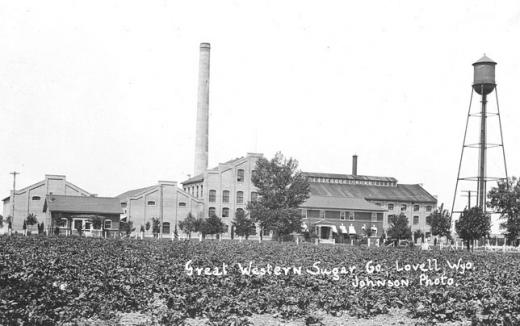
point(354, 164)
point(201, 137)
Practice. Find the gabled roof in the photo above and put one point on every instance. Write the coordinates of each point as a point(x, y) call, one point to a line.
point(42, 182)
point(200, 177)
point(341, 203)
point(81, 204)
point(135, 192)
point(401, 192)
point(195, 179)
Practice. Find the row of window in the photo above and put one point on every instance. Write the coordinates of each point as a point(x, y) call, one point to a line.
point(152, 203)
point(225, 196)
point(195, 190)
point(64, 223)
point(225, 211)
point(342, 215)
point(404, 207)
point(353, 182)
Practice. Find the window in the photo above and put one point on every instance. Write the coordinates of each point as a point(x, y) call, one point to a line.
point(212, 196)
point(211, 211)
point(36, 198)
point(78, 224)
point(254, 196)
point(182, 204)
point(62, 223)
point(390, 219)
point(123, 205)
point(403, 207)
point(416, 220)
point(240, 175)
point(240, 197)
point(108, 224)
point(378, 204)
point(225, 196)
point(390, 207)
point(380, 217)
point(314, 213)
point(166, 228)
point(364, 216)
point(197, 192)
point(267, 232)
point(415, 208)
point(303, 213)
point(342, 216)
point(225, 212)
point(151, 203)
point(332, 214)
point(350, 216)
point(428, 208)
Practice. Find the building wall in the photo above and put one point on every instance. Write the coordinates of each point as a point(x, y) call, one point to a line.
point(425, 209)
point(31, 199)
point(172, 205)
point(225, 178)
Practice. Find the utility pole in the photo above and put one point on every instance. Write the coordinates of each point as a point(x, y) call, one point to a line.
point(469, 196)
point(14, 173)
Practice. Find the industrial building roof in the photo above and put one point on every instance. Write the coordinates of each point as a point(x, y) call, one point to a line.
point(341, 203)
point(82, 204)
point(135, 192)
point(401, 192)
point(348, 176)
point(200, 177)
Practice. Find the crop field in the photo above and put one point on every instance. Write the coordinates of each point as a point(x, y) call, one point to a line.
point(52, 280)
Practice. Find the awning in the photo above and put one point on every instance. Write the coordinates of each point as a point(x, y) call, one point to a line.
point(343, 229)
point(334, 229)
point(351, 229)
point(304, 227)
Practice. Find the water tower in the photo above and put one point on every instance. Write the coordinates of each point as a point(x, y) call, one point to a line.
point(483, 84)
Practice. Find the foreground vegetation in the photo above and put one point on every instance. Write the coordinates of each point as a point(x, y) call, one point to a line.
point(50, 280)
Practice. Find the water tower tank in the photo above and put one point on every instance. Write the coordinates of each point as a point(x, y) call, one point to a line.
point(484, 75)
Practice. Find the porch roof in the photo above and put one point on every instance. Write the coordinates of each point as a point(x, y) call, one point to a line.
point(81, 204)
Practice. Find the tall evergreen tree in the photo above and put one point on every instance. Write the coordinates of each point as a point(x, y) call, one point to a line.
point(399, 228)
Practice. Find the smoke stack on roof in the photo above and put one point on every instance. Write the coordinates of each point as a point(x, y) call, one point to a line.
point(201, 137)
point(354, 164)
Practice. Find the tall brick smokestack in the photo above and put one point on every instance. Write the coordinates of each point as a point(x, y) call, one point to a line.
point(201, 137)
point(354, 164)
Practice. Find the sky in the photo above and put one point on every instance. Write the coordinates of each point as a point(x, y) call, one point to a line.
point(105, 92)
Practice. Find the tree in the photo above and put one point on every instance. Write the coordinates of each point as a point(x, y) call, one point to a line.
point(156, 226)
point(200, 226)
point(440, 222)
point(505, 200)
point(417, 234)
point(79, 228)
point(188, 225)
point(368, 231)
point(472, 224)
point(1, 221)
point(244, 226)
point(399, 228)
point(147, 225)
point(282, 188)
point(31, 219)
point(126, 227)
point(214, 225)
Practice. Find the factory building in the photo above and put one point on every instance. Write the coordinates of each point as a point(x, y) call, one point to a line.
point(338, 203)
point(164, 201)
point(30, 200)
